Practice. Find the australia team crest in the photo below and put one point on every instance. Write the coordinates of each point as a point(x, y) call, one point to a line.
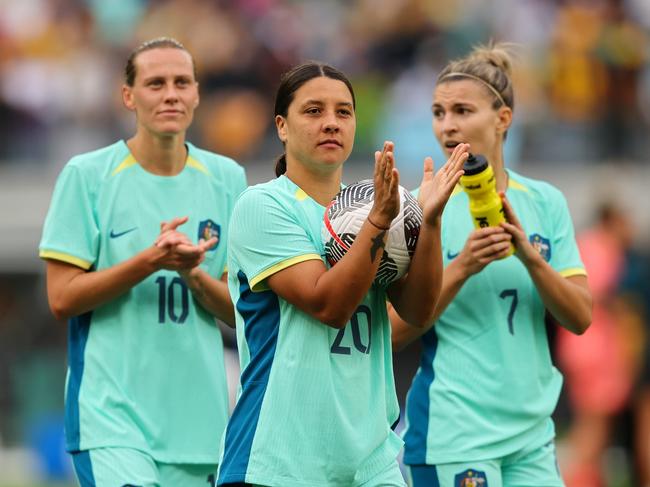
point(209, 229)
point(542, 245)
point(470, 478)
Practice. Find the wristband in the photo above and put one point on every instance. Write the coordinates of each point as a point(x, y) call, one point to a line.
point(375, 225)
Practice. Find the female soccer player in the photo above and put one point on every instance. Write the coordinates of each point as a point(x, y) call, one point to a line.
point(146, 397)
point(317, 394)
point(479, 407)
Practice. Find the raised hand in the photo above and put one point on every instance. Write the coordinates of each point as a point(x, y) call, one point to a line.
point(386, 182)
point(436, 188)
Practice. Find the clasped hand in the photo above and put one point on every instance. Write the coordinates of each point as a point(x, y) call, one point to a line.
point(178, 252)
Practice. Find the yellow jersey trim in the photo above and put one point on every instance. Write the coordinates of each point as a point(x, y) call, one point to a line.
point(301, 195)
point(197, 165)
point(126, 163)
point(258, 284)
point(70, 259)
point(130, 161)
point(516, 185)
point(573, 271)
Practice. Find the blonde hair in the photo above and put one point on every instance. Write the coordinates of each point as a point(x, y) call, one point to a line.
point(490, 65)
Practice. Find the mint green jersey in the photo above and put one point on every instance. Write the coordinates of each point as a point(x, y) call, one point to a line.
point(486, 386)
point(316, 404)
point(146, 370)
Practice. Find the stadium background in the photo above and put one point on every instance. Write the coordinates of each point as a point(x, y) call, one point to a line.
point(582, 122)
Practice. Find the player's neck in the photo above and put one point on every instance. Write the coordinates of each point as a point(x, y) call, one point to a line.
point(164, 156)
point(496, 161)
point(321, 186)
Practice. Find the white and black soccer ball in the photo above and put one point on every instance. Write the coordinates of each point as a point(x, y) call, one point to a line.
point(349, 210)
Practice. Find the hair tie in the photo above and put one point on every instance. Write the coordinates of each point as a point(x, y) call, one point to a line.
point(471, 76)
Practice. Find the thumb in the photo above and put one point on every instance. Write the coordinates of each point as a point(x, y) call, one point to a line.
point(427, 170)
point(428, 165)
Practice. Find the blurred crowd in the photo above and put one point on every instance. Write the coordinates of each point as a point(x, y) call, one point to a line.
point(582, 95)
point(583, 76)
point(607, 369)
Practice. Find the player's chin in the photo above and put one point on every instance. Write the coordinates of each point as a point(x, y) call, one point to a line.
point(171, 128)
point(333, 160)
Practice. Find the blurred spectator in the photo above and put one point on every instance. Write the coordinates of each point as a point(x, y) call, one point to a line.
point(600, 366)
point(622, 48)
point(233, 122)
point(581, 95)
point(634, 296)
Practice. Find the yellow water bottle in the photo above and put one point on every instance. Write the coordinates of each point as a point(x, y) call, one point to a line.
point(479, 183)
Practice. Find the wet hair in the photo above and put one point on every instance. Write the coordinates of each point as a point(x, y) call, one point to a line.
point(157, 43)
point(490, 65)
point(291, 81)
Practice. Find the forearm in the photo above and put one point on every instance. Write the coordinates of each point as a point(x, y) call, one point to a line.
point(415, 297)
point(404, 332)
point(343, 287)
point(453, 279)
point(567, 299)
point(212, 294)
point(77, 292)
point(331, 296)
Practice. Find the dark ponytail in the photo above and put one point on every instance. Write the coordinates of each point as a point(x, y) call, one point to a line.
point(281, 165)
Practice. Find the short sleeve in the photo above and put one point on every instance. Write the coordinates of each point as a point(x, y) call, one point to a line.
point(266, 237)
point(239, 186)
point(242, 183)
point(565, 256)
point(70, 232)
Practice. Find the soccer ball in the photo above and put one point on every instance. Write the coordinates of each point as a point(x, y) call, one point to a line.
point(349, 210)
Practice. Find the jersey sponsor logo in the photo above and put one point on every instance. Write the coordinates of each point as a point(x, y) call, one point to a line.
point(209, 229)
point(451, 256)
point(470, 478)
point(542, 245)
point(115, 234)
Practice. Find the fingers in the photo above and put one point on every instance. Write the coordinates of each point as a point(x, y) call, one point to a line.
point(188, 251)
point(391, 174)
point(171, 238)
point(388, 161)
point(452, 170)
point(510, 215)
point(380, 160)
point(428, 165)
point(427, 169)
point(512, 225)
point(173, 224)
point(183, 256)
point(457, 159)
point(208, 244)
point(386, 185)
point(385, 161)
point(489, 241)
point(393, 188)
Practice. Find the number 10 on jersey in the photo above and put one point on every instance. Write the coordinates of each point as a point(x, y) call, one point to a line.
point(169, 295)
